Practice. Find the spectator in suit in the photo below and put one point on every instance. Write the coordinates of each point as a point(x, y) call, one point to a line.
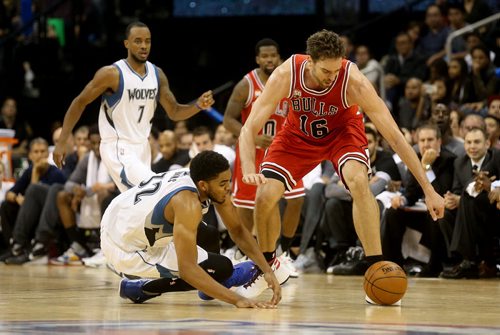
point(438, 162)
point(476, 223)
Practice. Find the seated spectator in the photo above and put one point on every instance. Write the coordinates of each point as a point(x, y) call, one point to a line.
point(494, 105)
point(172, 157)
point(475, 229)
point(370, 68)
point(11, 120)
point(185, 141)
point(224, 137)
point(408, 104)
point(432, 43)
point(203, 139)
point(440, 116)
point(456, 118)
point(473, 39)
point(401, 66)
point(476, 10)
point(493, 130)
point(456, 18)
point(432, 93)
point(438, 162)
point(83, 193)
point(21, 210)
point(469, 122)
point(484, 80)
point(459, 83)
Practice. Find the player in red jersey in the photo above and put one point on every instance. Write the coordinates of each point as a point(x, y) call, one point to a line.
point(328, 95)
point(237, 111)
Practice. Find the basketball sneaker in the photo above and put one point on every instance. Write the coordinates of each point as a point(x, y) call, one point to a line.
point(132, 289)
point(258, 284)
point(70, 257)
point(287, 261)
point(96, 261)
point(242, 273)
point(371, 302)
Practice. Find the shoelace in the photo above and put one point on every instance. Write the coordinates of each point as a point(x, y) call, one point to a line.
point(255, 276)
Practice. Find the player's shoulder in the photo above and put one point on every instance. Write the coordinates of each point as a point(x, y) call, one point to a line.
point(108, 71)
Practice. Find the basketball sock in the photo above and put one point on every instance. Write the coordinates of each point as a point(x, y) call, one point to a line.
point(374, 259)
point(270, 256)
point(285, 243)
point(164, 285)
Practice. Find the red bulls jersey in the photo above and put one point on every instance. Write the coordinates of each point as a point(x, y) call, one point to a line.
point(314, 114)
point(275, 122)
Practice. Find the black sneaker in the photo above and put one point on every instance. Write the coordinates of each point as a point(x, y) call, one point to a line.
point(19, 259)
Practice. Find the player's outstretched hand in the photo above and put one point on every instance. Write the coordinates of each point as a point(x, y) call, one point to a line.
point(273, 284)
point(205, 100)
point(435, 204)
point(250, 303)
point(254, 179)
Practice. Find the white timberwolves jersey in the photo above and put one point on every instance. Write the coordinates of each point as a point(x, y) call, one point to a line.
point(135, 221)
point(127, 113)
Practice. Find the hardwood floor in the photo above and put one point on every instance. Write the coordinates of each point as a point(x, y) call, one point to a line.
point(72, 300)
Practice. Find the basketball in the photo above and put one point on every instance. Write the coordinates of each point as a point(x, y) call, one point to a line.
point(385, 283)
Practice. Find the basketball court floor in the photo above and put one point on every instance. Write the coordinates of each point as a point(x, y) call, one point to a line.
point(77, 300)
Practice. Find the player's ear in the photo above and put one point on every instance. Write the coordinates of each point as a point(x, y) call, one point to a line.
point(203, 185)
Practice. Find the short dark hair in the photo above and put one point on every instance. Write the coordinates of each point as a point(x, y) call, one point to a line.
point(133, 25)
point(479, 129)
point(266, 42)
point(325, 44)
point(370, 130)
point(202, 130)
point(207, 165)
point(38, 140)
point(430, 126)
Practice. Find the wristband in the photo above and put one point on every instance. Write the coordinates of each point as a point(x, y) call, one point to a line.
point(198, 106)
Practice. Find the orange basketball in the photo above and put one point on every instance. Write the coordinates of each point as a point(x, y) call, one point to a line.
point(385, 282)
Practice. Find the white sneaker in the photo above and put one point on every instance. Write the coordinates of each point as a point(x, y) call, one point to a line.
point(371, 302)
point(95, 261)
point(258, 284)
point(288, 262)
point(70, 257)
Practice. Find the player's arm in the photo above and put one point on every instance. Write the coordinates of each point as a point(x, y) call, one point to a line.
point(176, 111)
point(187, 209)
point(235, 105)
point(106, 78)
point(246, 242)
point(361, 92)
point(276, 88)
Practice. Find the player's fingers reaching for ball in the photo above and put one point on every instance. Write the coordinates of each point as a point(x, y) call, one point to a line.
point(265, 305)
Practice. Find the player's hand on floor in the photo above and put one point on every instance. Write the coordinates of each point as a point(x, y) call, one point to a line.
point(249, 303)
point(274, 285)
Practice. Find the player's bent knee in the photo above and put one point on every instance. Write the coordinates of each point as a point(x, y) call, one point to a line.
point(219, 267)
